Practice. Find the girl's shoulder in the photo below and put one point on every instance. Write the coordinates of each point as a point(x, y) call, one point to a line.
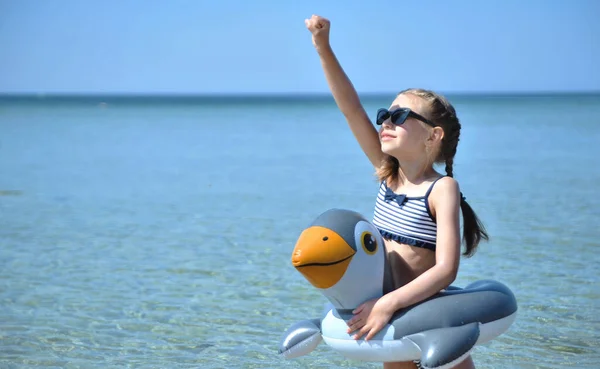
point(442, 187)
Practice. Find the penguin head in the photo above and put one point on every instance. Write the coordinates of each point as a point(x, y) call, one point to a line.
point(343, 255)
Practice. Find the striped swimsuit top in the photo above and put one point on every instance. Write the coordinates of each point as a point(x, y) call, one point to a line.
point(405, 219)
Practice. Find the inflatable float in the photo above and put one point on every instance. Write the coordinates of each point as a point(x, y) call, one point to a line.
point(342, 254)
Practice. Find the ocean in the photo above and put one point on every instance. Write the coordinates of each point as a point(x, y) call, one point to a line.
point(156, 232)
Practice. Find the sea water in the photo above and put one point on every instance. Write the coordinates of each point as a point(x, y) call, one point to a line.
point(157, 233)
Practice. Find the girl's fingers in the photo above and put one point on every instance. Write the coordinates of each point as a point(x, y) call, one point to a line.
point(361, 332)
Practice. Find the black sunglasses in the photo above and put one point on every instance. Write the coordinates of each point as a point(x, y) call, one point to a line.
point(399, 116)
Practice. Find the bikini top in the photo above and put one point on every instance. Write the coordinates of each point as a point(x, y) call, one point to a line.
point(405, 219)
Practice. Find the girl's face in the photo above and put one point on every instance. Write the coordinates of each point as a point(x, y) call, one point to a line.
point(407, 140)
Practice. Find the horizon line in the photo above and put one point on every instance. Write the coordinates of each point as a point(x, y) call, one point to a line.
point(283, 94)
point(146, 98)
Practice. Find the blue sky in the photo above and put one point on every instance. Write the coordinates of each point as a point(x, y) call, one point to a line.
point(227, 46)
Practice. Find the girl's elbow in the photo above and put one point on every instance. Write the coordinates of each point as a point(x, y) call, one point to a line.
point(452, 276)
point(448, 274)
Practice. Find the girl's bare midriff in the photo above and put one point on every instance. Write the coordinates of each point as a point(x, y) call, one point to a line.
point(407, 262)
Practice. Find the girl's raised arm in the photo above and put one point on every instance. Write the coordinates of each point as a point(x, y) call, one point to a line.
point(344, 92)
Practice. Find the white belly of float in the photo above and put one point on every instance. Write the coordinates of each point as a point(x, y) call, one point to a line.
point(381, 348)
point(491, 330)
point(375, 350)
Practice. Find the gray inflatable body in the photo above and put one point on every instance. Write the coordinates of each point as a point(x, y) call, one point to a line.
point(343, 255)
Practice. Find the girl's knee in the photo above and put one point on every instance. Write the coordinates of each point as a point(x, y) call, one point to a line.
point(400, 365)
point(466, 364)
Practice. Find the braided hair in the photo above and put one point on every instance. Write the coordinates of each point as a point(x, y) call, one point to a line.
point(441, 112)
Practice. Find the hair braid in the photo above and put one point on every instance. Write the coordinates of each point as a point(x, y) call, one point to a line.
point(449, 145)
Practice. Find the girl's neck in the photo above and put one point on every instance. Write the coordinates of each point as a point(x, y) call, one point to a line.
point(414, 172)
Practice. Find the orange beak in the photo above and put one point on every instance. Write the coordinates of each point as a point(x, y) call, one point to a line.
point(322, 256)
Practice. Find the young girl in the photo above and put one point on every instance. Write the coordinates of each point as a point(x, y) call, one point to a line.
point(417, 209)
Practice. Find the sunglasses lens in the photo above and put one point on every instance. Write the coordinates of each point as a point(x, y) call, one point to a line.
point(399, 116)
point(382, 115)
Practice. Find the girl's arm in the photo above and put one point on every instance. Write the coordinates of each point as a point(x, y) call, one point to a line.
point(373, 315)
point(445, 201)
point(344, 93)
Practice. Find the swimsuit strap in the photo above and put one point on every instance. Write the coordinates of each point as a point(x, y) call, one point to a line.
point(431, 187)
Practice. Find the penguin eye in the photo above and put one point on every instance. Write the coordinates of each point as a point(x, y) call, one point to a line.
point(369, 242)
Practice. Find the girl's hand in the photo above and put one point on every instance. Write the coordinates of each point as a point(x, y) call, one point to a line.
point(370, 317)
point(319, 27)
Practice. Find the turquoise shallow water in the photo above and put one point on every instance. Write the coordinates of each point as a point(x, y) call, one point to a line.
point(158, 233)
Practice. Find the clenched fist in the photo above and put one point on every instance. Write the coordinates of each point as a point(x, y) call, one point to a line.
point(319, 28)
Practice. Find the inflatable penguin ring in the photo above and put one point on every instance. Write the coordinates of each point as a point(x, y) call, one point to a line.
point(342, 254)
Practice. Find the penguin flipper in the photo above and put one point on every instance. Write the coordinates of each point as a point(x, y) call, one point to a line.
point(445, 347)
point(301, 338)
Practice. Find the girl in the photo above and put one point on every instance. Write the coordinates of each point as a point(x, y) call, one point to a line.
point(417, 209)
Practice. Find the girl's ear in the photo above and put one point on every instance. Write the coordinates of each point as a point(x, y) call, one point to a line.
point(434, 142)
point(437, 134)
